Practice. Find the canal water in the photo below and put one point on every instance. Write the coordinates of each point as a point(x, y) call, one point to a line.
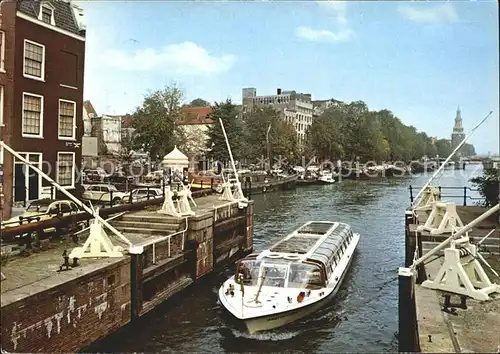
point(364, 315)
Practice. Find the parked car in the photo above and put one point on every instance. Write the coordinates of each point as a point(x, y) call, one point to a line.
point(103, 193)
point(43, 209)
point(141, 194)
point(118, 177)
point(96, 175)
point(154, 176)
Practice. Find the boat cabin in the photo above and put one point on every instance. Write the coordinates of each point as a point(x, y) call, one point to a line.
point(304, 259)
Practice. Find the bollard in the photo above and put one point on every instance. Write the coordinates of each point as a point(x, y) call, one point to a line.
point(411, 194)
point(111, 198)
point(465, 196)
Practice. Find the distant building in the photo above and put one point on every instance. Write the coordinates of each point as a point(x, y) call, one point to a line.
point(320, 106)
point(42, 55)
point(296, 108)
point(195, 123)
point(458, 133)
point(88, 113)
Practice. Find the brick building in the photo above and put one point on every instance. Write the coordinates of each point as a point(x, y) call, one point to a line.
point(41, 90)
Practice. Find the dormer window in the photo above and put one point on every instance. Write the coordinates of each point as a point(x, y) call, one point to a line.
point(47, 14)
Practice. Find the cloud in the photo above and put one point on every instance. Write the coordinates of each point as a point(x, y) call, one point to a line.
point(430, 14)
point(337, 12)
point(336, 9)
point(321, 35)
point(185, 58)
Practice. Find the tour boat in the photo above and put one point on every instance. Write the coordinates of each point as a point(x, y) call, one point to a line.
point(292, 279)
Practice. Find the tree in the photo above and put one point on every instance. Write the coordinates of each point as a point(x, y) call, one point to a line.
point(488, 185)
point(282, 136)
point(443, 147)
point(198, 102)
point(126, 148)
point(155, 125)
point(195, 140)
point(228, 113)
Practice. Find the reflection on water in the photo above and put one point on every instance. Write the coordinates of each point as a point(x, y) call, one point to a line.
point(363, 315)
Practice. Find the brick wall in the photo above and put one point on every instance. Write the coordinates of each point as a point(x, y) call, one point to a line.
point(71, 316)
point(7, 24)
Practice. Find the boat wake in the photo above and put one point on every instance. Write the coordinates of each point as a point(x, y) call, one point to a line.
point(270, 336)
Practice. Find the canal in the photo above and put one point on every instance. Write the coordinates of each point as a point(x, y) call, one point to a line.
point(364, 315)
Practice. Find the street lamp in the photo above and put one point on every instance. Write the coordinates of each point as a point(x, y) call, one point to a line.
point(268, 146)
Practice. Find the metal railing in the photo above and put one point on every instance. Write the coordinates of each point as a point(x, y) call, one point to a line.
point(446, 192)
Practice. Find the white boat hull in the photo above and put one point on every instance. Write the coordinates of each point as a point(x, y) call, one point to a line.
point(264, 307)
point(267, 323)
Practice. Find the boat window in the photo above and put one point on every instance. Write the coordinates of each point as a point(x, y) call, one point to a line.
point(305, 276)
point(249, 270)
point(274, 274)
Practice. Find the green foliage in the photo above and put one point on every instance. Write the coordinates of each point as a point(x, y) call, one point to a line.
point(443, 147)
point(198, 102)
point(351, 131)
point(155, 122)
point(228, 113)
point(282, 135)
point(488, 186)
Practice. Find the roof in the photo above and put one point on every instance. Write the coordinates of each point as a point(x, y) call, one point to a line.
point(63, 13)
point(127, 120)
point(89, 108)
point(195, 115)
point(316, 240)
point(175, 156)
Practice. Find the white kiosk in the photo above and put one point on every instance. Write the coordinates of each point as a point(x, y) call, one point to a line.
point(176, 161)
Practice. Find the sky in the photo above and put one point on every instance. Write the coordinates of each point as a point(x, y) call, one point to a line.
point(420, 60)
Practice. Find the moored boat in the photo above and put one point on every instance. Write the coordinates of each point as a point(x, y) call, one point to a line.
point(292, 279)
point(326, 179)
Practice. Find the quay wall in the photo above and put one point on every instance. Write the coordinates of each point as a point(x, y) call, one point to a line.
point(68, 316)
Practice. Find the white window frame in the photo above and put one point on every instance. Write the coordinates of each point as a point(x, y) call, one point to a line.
point(73, 170)
point(42, 78)
point(27, 135)
point(73, 136)
point(49, 7)
point(2, 105)
point(2, 52)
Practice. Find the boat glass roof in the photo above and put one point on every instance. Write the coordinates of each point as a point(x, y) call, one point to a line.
point(316, 228)
point(331, 244)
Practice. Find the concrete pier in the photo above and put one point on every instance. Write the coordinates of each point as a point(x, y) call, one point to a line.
point(43, 310)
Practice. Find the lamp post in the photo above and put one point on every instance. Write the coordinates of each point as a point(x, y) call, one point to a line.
point(268, 146)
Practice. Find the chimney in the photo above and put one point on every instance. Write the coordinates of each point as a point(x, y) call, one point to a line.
point(278, 91)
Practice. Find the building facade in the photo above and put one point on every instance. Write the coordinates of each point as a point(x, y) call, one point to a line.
point(41, 79)
point(296, 108)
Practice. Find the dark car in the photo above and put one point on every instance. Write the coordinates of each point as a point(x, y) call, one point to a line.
point(118, 177)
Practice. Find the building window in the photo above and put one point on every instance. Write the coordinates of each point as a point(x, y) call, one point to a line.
point(67, 119)
point(2, 51)
point(1, 106)
point(47, 14)
point(32, 115)
point(34, 60)
point(66, 169)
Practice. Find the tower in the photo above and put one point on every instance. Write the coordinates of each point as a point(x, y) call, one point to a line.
point(458, 133)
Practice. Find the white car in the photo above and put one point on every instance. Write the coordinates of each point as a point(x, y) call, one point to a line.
point(102, 193)
point(141, 194)
point(41, 210)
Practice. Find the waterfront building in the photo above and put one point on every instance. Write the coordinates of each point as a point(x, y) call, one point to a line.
point(296, 108)
point(42, 48)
